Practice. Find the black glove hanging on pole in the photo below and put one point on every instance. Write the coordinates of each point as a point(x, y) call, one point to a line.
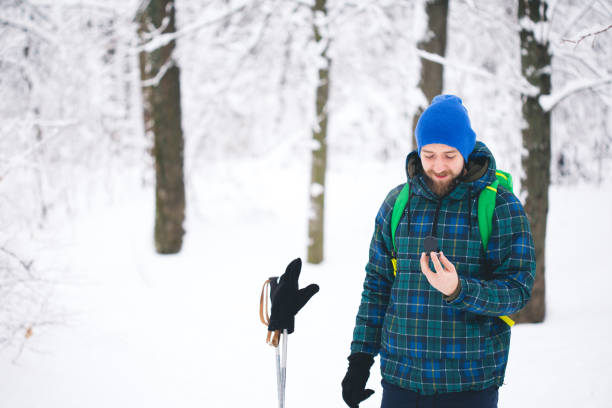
point(287, 299)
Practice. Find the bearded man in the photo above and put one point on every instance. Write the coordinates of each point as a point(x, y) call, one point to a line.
point(432, 316)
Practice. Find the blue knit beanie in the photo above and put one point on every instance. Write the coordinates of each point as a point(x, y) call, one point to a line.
point(446, 121)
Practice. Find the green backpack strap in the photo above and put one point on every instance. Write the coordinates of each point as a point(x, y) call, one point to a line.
point(398, 210)
point(486, 205)
point(396, 216)
point(505, 179)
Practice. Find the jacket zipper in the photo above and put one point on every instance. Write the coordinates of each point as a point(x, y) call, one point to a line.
point(434, 227)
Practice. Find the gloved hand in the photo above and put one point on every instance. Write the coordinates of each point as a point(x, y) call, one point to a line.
point(287, 300)
point(354, 382)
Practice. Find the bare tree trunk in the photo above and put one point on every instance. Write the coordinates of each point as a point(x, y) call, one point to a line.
point(319, 153)
point(434, 41)
point(162, 118)
point(535, 66)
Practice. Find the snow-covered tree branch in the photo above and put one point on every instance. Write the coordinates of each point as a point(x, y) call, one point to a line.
point(548, 102)
point(591, 32)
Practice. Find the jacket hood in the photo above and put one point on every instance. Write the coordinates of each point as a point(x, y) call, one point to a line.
point(480, 173)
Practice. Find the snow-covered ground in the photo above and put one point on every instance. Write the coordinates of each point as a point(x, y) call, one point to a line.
point(143, 330)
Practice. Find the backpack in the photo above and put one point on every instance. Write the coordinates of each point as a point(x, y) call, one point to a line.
point(486, 206)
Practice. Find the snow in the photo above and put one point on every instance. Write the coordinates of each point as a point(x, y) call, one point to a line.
point(316, 189)
point(148, 330)
point(548, 102)
point(521, 87)
point(538, 29)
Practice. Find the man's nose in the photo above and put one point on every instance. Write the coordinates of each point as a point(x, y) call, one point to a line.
point(438, 166)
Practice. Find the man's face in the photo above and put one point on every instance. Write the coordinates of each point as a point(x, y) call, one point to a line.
point(442, 165)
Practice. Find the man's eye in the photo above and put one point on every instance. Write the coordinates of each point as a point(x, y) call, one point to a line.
point(450, 156)
point(429, 156)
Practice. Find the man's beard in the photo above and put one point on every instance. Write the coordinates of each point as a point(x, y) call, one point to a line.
point(441, 188)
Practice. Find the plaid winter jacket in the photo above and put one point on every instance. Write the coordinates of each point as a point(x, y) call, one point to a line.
point(427, 342)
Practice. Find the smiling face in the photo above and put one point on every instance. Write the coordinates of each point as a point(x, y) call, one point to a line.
point(442, 165)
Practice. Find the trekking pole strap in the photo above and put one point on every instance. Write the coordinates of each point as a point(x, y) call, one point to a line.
point(273, 336)
point(263, 304)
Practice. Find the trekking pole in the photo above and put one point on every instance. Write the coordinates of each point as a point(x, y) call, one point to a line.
point(279, 378)
point(274, 339)
point(283, 368)
point(287, 299)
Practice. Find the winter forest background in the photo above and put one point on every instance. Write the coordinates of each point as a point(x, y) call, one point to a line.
point(91, 312)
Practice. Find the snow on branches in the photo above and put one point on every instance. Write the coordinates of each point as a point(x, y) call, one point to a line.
point(587, 33)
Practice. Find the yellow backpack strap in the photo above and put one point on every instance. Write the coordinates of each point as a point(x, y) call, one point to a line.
point(394, 263)
point(507, 320)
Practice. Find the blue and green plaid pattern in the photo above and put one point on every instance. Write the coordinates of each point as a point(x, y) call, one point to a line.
point(426, 343)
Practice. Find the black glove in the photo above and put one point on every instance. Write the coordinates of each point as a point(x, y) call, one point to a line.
point(354, 382)
point(287, 300)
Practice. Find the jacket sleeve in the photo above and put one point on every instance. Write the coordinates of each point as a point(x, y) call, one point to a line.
point(510, 257)
point(377, 285)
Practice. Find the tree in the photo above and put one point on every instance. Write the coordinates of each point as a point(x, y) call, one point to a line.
point(433, 40)
point(536, 68)
point(162, 117)
point(62, 125)
point(319, 137)
point(579, 103)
